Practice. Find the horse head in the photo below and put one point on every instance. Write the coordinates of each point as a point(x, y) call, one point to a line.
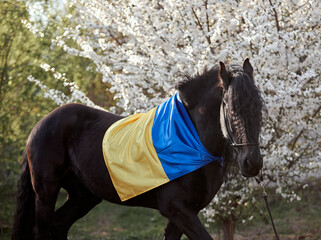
point(241, 115)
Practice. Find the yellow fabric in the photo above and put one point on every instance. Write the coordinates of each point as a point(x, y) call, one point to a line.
point(130, 156)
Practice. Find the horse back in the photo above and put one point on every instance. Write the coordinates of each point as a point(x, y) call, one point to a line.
point(69, 122)
point(69, 139)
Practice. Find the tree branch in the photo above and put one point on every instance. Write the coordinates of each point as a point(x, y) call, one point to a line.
point(317, 111)
point(198, 22)
point(207, 18)
point(275, 16)
point(114, 38)
point(295, 139)
point(291, 163)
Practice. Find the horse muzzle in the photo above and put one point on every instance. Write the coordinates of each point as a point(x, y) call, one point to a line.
point(250, 162)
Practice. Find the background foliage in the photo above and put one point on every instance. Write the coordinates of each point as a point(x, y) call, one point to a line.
point(22, 103)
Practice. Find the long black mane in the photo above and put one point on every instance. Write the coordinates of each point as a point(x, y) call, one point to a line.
point(202, 93)
point(195, 89)
point(246, 102)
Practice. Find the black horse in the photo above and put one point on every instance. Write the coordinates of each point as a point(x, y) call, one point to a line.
point(64, 151)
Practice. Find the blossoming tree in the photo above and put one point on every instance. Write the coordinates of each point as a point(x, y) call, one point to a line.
point(143, 48)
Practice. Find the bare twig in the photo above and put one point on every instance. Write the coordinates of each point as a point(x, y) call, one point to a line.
point(275, 16)
point(317, 111)
point(198, 22)
point(207, 18)
point(291, 163)
point(296, 138)
point(114, 38)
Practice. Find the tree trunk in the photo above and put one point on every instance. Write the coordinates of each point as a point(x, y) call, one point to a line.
point(228, 227)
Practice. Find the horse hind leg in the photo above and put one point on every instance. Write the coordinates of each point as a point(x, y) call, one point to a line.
point(35, 200)
point(45, 199)
point(80, 202)
point(48, 166)
point(38, 189)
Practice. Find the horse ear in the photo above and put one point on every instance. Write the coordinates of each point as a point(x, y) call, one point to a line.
point(223, 76)
point(247, 67)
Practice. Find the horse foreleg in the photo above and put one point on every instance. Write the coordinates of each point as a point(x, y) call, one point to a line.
point(80, 202)
point(186, 221)
point(172, 232)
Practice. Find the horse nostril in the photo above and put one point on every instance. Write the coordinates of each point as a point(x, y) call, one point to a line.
point(250, 169)
point(250, 161)
point(258, 162)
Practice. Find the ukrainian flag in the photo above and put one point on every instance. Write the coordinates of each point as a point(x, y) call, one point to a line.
point(146, 150)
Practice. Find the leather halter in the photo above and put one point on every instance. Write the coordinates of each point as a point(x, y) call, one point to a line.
point(225, 125)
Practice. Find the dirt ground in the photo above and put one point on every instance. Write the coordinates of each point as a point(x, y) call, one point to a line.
point(257, 235)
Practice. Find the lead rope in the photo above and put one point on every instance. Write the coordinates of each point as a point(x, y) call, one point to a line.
point(260, 182)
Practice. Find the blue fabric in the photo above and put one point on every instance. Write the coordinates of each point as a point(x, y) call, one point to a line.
point(176, 140)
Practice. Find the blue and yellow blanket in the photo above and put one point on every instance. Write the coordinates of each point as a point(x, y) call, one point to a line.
point(146, 150)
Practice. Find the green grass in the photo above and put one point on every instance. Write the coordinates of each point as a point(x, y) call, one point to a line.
point(294, 220)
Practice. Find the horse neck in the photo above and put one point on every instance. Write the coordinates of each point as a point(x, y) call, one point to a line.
point(206, 118)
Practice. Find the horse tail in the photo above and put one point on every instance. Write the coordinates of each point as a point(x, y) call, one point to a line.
point(24, 218)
